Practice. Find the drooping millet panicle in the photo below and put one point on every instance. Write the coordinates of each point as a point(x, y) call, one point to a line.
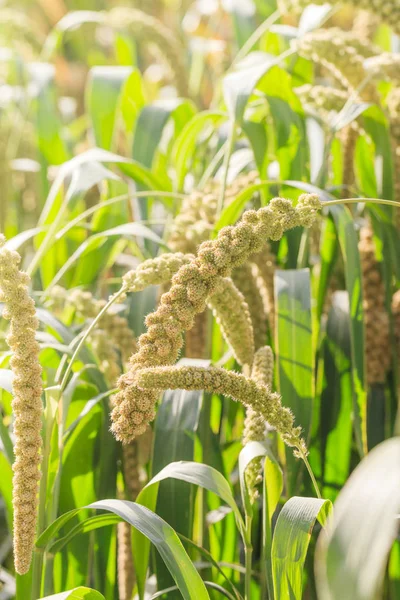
point(197, 217)
point(196, 337)
point(233, 317)
point(107, 355)
point(376, 320)
point(265, 267)
point(339, 51)
point(112, 339)
point(194, 223)
point(364, 25)
point(342, 55)
point(387, 11)
point(255, 425)
point(149, 29)
point(155, 271)
point(384, 66)
point(126, 573)
point(246, 281)
point(233, 385)
point(191, 287)
point(323, 98)
point(19, 309)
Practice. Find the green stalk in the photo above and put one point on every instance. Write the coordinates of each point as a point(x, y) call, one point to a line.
point(53, 396)
point(48, 239)
point(248, 552)
point(212, 167)
point(90, 211)
point(24, 586)
point(314, 481)
point(253, 39)
point(357, 200)
point(225, 167)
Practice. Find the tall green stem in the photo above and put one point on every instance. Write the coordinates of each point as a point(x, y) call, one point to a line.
point(225, 167)
point(309, 469)
point(248, 552)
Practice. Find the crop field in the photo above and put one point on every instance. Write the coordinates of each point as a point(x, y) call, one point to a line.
point(199, 300)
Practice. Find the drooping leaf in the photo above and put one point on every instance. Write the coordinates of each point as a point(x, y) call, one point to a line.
point(290, 543)
point(294, 353)
point(351, 556)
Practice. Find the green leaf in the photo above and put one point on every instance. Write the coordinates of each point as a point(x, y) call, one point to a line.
point(272, 490)
point(79, 593)
point(18, 240)
point(48, 122)
point(239, 86)
point(174, 439)
point(71, 20)
point(185, 144)
point(348, 241)
point(290, 543)
point(351, 556)
point(160, 534)
point(204, 476)
point(328, 250)
point(6, 487)
point(95, 241)
point(151, 124)
point(89, 524)
point(335, 426)
point(102, 95)
point(294, 353)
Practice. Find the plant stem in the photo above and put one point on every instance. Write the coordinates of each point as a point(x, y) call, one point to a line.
point(225, 167)
point(87, 332)
point(211, 168)
point(248, 551)
point(356, 200)
point(314, 481)
point(255, 36)
point(37, 571)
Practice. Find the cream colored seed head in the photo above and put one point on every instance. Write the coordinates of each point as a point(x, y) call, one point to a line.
point(386, 10)
point(265, 267)
point(364, 25)
point(376, 320)
point(345, 62)
point(27, 406)
point(385, 65)
point(155, 271)
point(323, 98)
point(191, 287)
point(234, 385)
point(111, 337)
point(197, 217)
point(245, 280)
point(233, 317)
point(255, 424)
